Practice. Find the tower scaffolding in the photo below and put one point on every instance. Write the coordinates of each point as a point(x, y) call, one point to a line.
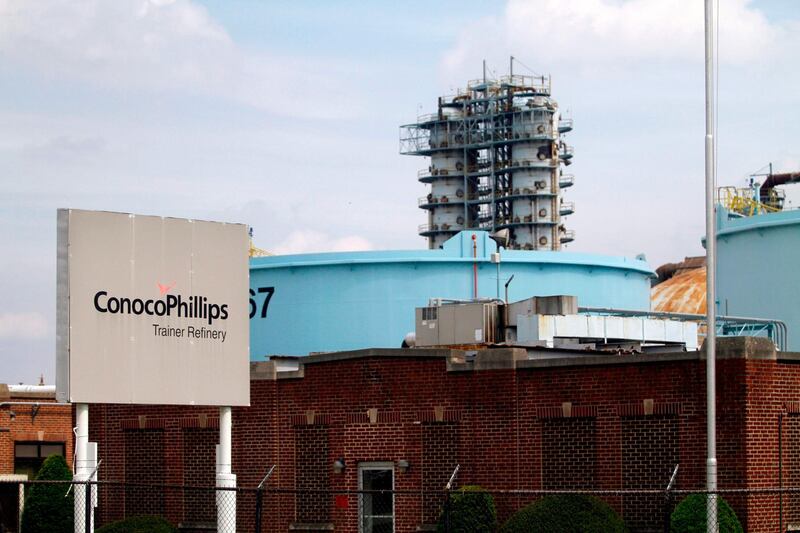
point(496, 153)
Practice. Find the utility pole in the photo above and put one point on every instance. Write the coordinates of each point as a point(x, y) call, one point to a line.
point(711, 296)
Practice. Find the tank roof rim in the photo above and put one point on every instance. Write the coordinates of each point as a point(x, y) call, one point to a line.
point(758, 222)
point(435, 256)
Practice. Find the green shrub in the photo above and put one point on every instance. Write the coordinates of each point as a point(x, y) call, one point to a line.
point(569, 513)
point(139, 524)
point(690, 516)
point(46, 508)
point(472, 510)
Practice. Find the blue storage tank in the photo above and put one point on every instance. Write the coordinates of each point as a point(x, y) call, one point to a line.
point(344, 301)
point(757, 261)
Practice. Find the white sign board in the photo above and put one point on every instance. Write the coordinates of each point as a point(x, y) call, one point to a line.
point(152, 310)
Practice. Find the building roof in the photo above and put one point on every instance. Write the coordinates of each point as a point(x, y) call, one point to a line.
point(27, 392)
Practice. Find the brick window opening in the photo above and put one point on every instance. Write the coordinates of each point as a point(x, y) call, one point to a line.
point(791, 467)
point(439, 458)
point(29, 456)
point(312, 471)
point(199, 465)
point(569, 453)
point(649, 455)
point(144, 463)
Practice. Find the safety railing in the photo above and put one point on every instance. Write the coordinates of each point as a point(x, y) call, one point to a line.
point(743, 201)
point(416, 139)
point(438, 228)
point(431, 200)
point(733, 326)
point(565, 125)
point(567, 180)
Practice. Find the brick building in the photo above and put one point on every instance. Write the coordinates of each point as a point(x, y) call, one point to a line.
point(32, 427)
point(511, 418)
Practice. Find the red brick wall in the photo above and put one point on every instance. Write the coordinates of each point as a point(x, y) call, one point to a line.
point(52, 423)
point(199, 466)
point(569, 454)
point(112, 427)
point(791, 466)
point(772, 392)
point(650, 448)
point(619, 425)
point(312, 471)
point(438, 461)
point(144, 463)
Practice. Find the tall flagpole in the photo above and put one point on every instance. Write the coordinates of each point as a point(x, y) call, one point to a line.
point(711, 298)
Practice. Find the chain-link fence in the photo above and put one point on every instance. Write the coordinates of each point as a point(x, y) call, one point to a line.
point(90, 506)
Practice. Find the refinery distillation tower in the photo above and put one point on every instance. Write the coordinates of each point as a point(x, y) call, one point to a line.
point(496, 152)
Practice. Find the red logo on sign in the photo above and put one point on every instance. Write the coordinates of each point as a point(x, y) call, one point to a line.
point(164, 289)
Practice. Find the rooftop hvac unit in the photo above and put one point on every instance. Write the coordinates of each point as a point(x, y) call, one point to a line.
point(457, 324)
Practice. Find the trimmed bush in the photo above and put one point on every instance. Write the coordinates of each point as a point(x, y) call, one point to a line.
point(46, 508)
point(472, 510)
point(139, 524)
point(568, 513)
point(690, 516)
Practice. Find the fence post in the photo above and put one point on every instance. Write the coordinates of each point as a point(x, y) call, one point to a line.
point(87, 496)
point(259, 495)
point(668, 499)
point(667, 514)
point(447, 498)
point(259, 498)
point(447, 510)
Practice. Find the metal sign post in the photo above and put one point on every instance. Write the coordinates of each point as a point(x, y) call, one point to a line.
point(226, 499)
point(81, 503)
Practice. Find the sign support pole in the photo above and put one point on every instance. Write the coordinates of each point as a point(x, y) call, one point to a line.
point(82, 469)
point(226, 499)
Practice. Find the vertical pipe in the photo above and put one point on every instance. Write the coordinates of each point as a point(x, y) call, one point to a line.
point(498, 271)
point(475, 266)
point(780, 472)
point(81, 436)
point(225, 424)
point(711, 297)
point(226, 499)
point(81, 501)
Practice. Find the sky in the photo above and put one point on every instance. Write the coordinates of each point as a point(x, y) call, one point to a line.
point(285, 116)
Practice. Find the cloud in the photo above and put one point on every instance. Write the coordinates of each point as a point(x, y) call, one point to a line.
point(617, 34)
point(630, 72)
point(65, 148)
point(303, 241)
point(123, 42)
point(23, 326)
point(160, 45)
